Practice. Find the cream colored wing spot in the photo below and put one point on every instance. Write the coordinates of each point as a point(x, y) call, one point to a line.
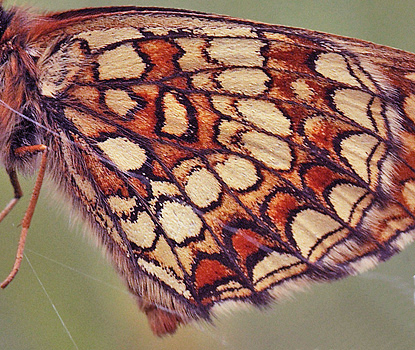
point(122, 62)
point(334, 66)
point(264, 115)
point(238, 173)
point(119, 101)
point(364, 78)
point(354, 104)
point(220, 29)
point(160, 188)
point(122, 206)
point(236, 52)
point(302, 90)
point(97, 39)
point(194, 56)
point(85, 187)
point(125, 154)
point(273, 267)
point(408, 194)
point(376, 109)
point(86, 123)
point(271, 151)
point(349, 201)
point(244, 81)
point(204, 81)
point(163, 254)
point(141, 231)
point(166, 276)
point(175, 116)
point(224, 104)
point(202, 188)
point(232, 290)
point(358, 149)
point(309, 226)
point(179, 221)
point(409, 105)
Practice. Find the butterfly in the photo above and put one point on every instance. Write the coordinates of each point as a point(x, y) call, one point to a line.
point(218, 160)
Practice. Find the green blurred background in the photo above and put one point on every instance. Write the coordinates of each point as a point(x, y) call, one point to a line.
point(372, 311)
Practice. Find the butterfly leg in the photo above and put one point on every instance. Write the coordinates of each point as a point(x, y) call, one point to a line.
point(18, 193)
point(30, 209)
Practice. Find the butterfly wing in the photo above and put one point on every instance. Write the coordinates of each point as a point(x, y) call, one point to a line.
point(226, 160)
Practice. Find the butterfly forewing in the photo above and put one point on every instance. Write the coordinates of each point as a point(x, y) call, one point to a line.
point(217, 159)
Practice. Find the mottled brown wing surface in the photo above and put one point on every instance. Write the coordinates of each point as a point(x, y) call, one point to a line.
point(220, 159)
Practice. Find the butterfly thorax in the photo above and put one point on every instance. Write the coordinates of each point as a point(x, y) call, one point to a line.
point(20, 110)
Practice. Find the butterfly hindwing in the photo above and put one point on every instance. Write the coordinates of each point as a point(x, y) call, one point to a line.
point(226, 160)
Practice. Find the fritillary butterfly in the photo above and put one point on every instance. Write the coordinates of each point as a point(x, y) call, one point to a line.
point(218, 160)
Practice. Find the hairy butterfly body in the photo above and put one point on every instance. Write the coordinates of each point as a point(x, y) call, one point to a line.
point(217, 159)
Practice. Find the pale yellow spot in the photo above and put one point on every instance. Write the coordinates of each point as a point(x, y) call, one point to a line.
point(265, 115)
point(364, 79)
point(408, 194)
point(202, 188)
point(164, 188)
point(345, 197)
point(99, 38)
point(278, 37)
point(357, 149)
point(409, 106)
point(309, 226)
point(122, 62)
point(244, 81)
point(321, 249)
point(354, 105)
point(204, 81)
point(165, 276)
point(223, 104)
point(410, 76)
point(222, 29)
point(271, 151)
point(85, 187)
point(141, 231)
point(229, 285)
point(125, 154)
point(236, 52)
point(238, 173)
point(121, 205)
point(302, 90)
point(86, 123)
point(334, 66)
point(193, 57)
point(119, 101)
point(175, 114)
point(160, 31)
point(179, 221)
point(163, 254)
point(377, 110)
point(271, 263)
